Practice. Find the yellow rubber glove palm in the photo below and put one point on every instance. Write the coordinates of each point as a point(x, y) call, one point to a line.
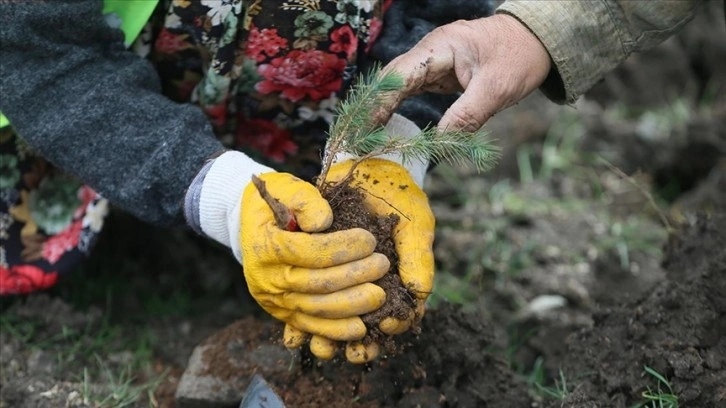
point(315, 282)
point(388, 189)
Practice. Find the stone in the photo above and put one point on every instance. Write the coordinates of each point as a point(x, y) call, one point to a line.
point(221, 367)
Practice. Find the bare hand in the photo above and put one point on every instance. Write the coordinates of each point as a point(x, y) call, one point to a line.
point(495, 60)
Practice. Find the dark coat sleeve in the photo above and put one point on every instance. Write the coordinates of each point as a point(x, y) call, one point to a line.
point(94, 109)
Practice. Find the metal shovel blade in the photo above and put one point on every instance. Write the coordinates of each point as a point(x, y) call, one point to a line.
point(260, 395)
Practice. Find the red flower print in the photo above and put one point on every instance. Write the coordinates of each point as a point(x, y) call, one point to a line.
point(373, 32)
point(387, 4)
point(264, 43)
point(266, 137)
point(314, 74)
point(23, 279)
point(62, 242)
point(168, 43)
point(344, 40)
point(86, 195)
point(217, 114)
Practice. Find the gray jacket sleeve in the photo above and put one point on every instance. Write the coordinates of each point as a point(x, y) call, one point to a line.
point(94, 109)
point(586, 39)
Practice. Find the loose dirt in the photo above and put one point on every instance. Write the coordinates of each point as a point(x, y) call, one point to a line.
point(350, 211)
point(678, 328)
point(448, 364)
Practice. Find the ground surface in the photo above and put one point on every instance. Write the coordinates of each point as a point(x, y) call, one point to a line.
point(560, 280)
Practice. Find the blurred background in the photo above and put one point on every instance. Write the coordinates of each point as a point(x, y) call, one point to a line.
point(577, 211)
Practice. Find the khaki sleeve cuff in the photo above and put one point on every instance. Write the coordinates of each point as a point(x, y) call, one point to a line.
point(581, 37)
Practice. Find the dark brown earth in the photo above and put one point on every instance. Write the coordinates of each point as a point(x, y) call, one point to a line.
point(448, 364)
point(350, 211)
point(678, 328)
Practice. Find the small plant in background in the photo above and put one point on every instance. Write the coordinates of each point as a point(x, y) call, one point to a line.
point(558, 391)
point(558, 153)
point(660, 397)
point(119, 366)
point(120, 388)
point(627, 236)
point(561, 387)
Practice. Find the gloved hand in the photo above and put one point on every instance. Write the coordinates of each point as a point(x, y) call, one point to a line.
point(313, 281)
point(316, 282)
point(389, 188)
point(392, 188)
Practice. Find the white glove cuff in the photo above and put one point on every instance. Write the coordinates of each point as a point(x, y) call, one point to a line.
point(401, 127)
point(220, 199)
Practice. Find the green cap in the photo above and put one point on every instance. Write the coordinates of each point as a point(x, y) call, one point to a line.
point(133, 15)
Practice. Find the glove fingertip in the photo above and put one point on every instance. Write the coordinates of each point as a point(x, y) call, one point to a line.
point(365, 237)
point(392, 326)
point(420, 283)
point(376, 296)
point(355, 330)
point(322, 348)
point(359, 353)
point(420, 308)
point(293, 338)
point(315, 220)
point(380, 264)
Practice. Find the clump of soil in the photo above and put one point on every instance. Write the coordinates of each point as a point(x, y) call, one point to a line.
point(350, 211)
point(678, 328)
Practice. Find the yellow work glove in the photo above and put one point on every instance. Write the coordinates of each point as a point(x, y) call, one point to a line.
point(389, 188)
point(317, 283)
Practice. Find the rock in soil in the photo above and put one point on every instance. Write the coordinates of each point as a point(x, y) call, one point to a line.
point(221, 367)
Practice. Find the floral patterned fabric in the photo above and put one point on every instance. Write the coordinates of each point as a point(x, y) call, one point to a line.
point(267, 73)
point(48, 220)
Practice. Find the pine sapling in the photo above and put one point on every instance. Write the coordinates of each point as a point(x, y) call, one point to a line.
point(353, 132)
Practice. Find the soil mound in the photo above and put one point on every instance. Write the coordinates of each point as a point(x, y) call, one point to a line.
point(448, 364)
point(678, 329)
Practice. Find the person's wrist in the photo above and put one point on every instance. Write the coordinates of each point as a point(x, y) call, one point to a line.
point(213, 200)
point(544, 71)
point(538, 58)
